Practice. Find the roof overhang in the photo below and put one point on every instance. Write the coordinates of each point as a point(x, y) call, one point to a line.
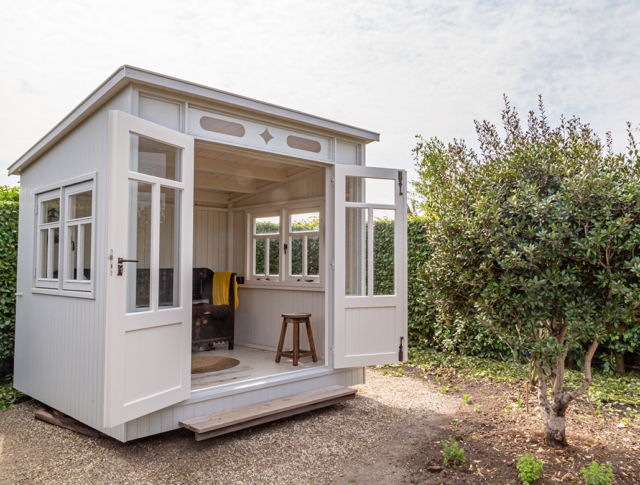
point(128, 74)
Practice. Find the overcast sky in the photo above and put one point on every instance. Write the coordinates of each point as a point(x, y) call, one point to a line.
point(400, 68)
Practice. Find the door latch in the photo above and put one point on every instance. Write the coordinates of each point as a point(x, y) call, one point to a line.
point(401, 351)
point(400, 180)
point(120, 261)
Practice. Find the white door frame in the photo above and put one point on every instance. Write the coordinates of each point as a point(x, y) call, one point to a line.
point(381, 326)
point(140, 379)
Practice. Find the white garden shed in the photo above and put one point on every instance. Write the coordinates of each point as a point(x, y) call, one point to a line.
point(173, 176)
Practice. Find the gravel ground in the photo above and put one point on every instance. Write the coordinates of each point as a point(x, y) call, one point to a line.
point(361, 438)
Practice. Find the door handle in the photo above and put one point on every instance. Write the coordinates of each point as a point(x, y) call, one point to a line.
point(120, 261)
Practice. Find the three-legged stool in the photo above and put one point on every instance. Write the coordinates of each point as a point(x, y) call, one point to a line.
point(296, 353)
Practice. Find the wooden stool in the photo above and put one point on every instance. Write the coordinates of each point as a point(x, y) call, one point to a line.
point(296, 353)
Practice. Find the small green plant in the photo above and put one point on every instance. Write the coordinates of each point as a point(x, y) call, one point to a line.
point(8, 395)
point(466, 399)
point(530, 468)
point(519, 403)
point(453, 454)
point(455, 423)
point(414, 441)
point(597, 474)
point(444, 389)
point(477, 408)
point(456, 388)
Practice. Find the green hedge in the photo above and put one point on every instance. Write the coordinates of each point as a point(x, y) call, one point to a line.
point(9, 198)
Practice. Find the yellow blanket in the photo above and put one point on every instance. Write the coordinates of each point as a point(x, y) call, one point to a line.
point(221, 281)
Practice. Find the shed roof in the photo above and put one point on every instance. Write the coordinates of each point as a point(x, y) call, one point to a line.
point(127, 74)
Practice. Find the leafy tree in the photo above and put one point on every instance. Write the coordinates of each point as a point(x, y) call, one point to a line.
point(534, 237)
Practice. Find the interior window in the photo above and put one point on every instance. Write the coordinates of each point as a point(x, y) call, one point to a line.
point(48, 240)
point(304, 244)
point(266, 247)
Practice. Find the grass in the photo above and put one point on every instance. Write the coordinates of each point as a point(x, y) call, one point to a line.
point(8, 395)
point(604, 387)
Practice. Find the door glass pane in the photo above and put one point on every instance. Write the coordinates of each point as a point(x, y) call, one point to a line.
point(370, 190)
point(44, 252)
point(356, 251)
point(259, 256)
point(80, 205)
point(305, 222)
point(51, 211)
point(138, 274)
point(267, 225)
point(383, 252)
point(56, 252)
point(169, 247)
point(296, 256)
point(313, 255)
point(155, 158)
point(86, 259)
point(72, 253)
point(274, 257)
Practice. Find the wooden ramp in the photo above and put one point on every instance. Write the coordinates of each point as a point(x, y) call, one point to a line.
point(236, 419)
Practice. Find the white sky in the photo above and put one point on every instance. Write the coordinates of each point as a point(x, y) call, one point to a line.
point(397, 67)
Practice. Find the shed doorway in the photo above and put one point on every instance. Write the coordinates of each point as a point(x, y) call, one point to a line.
point(262, 219)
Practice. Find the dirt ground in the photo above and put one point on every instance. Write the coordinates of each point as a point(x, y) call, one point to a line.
point(389, 434)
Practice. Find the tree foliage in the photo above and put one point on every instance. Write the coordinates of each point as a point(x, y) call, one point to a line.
point(535, 238)
point(9, 199)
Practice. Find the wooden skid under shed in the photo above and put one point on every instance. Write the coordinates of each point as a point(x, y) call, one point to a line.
point(236, 419)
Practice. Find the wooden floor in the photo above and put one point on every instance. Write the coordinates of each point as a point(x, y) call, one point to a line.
point(254, 363)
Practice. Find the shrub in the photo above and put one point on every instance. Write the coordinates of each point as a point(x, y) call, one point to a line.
point(530, 469)
point(535, 239)
point(597, 474)
point(9, 198)
point(453, 454)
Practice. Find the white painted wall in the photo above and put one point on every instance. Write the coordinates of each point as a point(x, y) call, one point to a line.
point(210, 239)
point(60, 341)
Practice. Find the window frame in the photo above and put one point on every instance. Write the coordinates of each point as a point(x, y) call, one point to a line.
point(285, 278)
point(69, 283)
point(49, 281)
point(63, 189)
point(305, 279)
point(253, 237)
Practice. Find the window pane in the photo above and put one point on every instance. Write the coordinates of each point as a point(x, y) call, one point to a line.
point(80, 205)
point(86, 259)
point(383, 252)
point(356, 251)
point(154, 158)
point(56, 253)
point(371, 191)
point(274, 257)
point(313, 255)
point(44, 252)
point(305, 222)
point(296, 256)
point(259, 252)
point(51, 211)
point(267, 225)
point(169, 247)
point(138, 274)
point(72, 253)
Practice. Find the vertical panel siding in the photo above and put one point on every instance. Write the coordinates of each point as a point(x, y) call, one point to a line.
point(306, 187)
point(259, 320)
point(168, 419)
point(60, 340)
point(209, 239)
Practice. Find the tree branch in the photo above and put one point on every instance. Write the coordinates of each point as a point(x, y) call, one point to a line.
point(567, 398)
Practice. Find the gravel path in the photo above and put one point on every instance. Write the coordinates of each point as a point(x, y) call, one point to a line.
point(325, 446)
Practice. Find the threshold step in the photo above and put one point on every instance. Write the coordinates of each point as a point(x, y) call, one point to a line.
point(224, 422)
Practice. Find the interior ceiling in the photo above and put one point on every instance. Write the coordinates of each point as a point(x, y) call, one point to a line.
point(228, 172)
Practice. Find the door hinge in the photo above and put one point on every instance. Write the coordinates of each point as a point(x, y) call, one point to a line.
point(333, 264)
point(285, 249)
point(333, 180)
point(35, 208)
point(34, 271)
point(400, 180)
point(401, 351)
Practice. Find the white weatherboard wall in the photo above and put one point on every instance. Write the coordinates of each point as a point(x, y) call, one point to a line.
point(210, 239)
point(60, 341)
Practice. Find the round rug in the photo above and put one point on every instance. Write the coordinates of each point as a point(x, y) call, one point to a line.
point(211, 363)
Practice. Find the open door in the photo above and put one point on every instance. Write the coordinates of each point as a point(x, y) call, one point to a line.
point(370, 323)
point(148, 329)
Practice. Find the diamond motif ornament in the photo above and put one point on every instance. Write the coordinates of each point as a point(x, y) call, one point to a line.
point(266, 136)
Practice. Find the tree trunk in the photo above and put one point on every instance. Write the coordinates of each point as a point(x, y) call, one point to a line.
point(619, 362)
point(555, 427)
